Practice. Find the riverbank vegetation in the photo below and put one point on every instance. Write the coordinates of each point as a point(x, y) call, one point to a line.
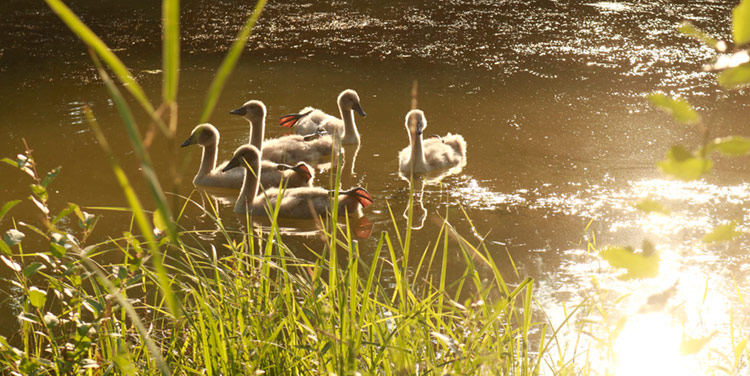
point(247, 303)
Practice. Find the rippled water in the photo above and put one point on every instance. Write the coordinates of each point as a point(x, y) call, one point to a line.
point(549, 96)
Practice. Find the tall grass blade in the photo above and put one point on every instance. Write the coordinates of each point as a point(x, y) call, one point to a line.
point(227, 66)
point(171, 48)
point(140, 150)
point(92, 40)
point(132, 314)
point(139, 215)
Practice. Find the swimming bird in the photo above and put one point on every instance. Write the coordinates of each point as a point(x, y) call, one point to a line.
point(434, 153)
point(207, 136)
point(307, 202)
point(285, 149)
point(310, 119)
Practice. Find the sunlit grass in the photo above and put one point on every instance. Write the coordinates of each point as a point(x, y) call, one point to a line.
point(245, 302)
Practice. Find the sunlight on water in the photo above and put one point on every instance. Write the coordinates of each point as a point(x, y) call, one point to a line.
point(611, 6)
point(650, 345)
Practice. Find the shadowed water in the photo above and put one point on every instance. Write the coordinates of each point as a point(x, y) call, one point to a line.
point(549, 95)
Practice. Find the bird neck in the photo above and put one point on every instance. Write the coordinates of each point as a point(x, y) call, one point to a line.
point(257, 130)
point(417, 153)
point(351, 135)
point(249, 189)
point(208, 160)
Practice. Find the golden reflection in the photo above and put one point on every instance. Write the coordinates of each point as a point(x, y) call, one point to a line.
point(649, 344)
point(419, 213)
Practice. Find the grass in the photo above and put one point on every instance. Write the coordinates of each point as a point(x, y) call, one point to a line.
point(247, 304)
point(176, 304)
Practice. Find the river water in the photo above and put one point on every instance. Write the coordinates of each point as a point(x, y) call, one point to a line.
point(549, 95)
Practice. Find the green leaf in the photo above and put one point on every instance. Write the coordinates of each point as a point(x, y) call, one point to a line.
point(679, 108)
point(37, 297)
point(87, 221)
point(690, 30)
point(6, 207)
point(650, 206)
point(722, 233)
point(32, 268)
point(160, 223)
point(65, 212)
point(739, 349)
point(21, 163)
point(741, 23)
point(689, 346)
point(4, 247)
point(683, 165)
point(731, 146)
point(40, 192)
point(10, 162)
point(736, 77)
point(12, 237)
point(50, 176)
point(643, 264)
point(93, 306)
point(11, 264)
point(57, 250)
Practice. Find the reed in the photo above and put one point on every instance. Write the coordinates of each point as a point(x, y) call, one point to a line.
point(246, 304)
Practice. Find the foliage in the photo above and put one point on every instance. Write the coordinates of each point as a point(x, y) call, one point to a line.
point(176, 303)
point(688, 165)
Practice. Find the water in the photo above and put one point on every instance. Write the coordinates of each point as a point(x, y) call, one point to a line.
point(549, 95)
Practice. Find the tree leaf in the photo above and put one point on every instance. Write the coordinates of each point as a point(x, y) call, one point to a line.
point(37, 297)
point(39, 205)
point(731, 146)
point(690, 346)
point(50, 176)
point(12, 237)
point(650, 206)
point(679, 108)
point(32, 268)
point(741, 23)
point(683, 165)
point(11, 264)
point(160, 224)
point(57, 250)
point(637, 264)
point(722, 233)
point(690, 30)
point(736, 77)
point(64, 213)
point(739, 349)
point(4, 247)
point(40, 192)
point(10, 162)
point(6, 207)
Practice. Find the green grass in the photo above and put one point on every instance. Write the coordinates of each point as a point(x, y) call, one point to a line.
point(247, 303)
point(177, 304)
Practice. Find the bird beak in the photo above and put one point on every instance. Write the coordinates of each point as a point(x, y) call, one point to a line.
point(187, 142)
point(233, 163)
point(302, 169)
point(240, 111)
point(357, 107)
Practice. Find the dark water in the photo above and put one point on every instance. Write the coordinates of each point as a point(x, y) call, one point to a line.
point(549, 95)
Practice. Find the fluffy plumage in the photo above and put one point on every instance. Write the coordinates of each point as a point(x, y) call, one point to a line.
point(287, 149)
point(311, 120)
point(209, 175)
point(434, 153)
point(304, 203)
